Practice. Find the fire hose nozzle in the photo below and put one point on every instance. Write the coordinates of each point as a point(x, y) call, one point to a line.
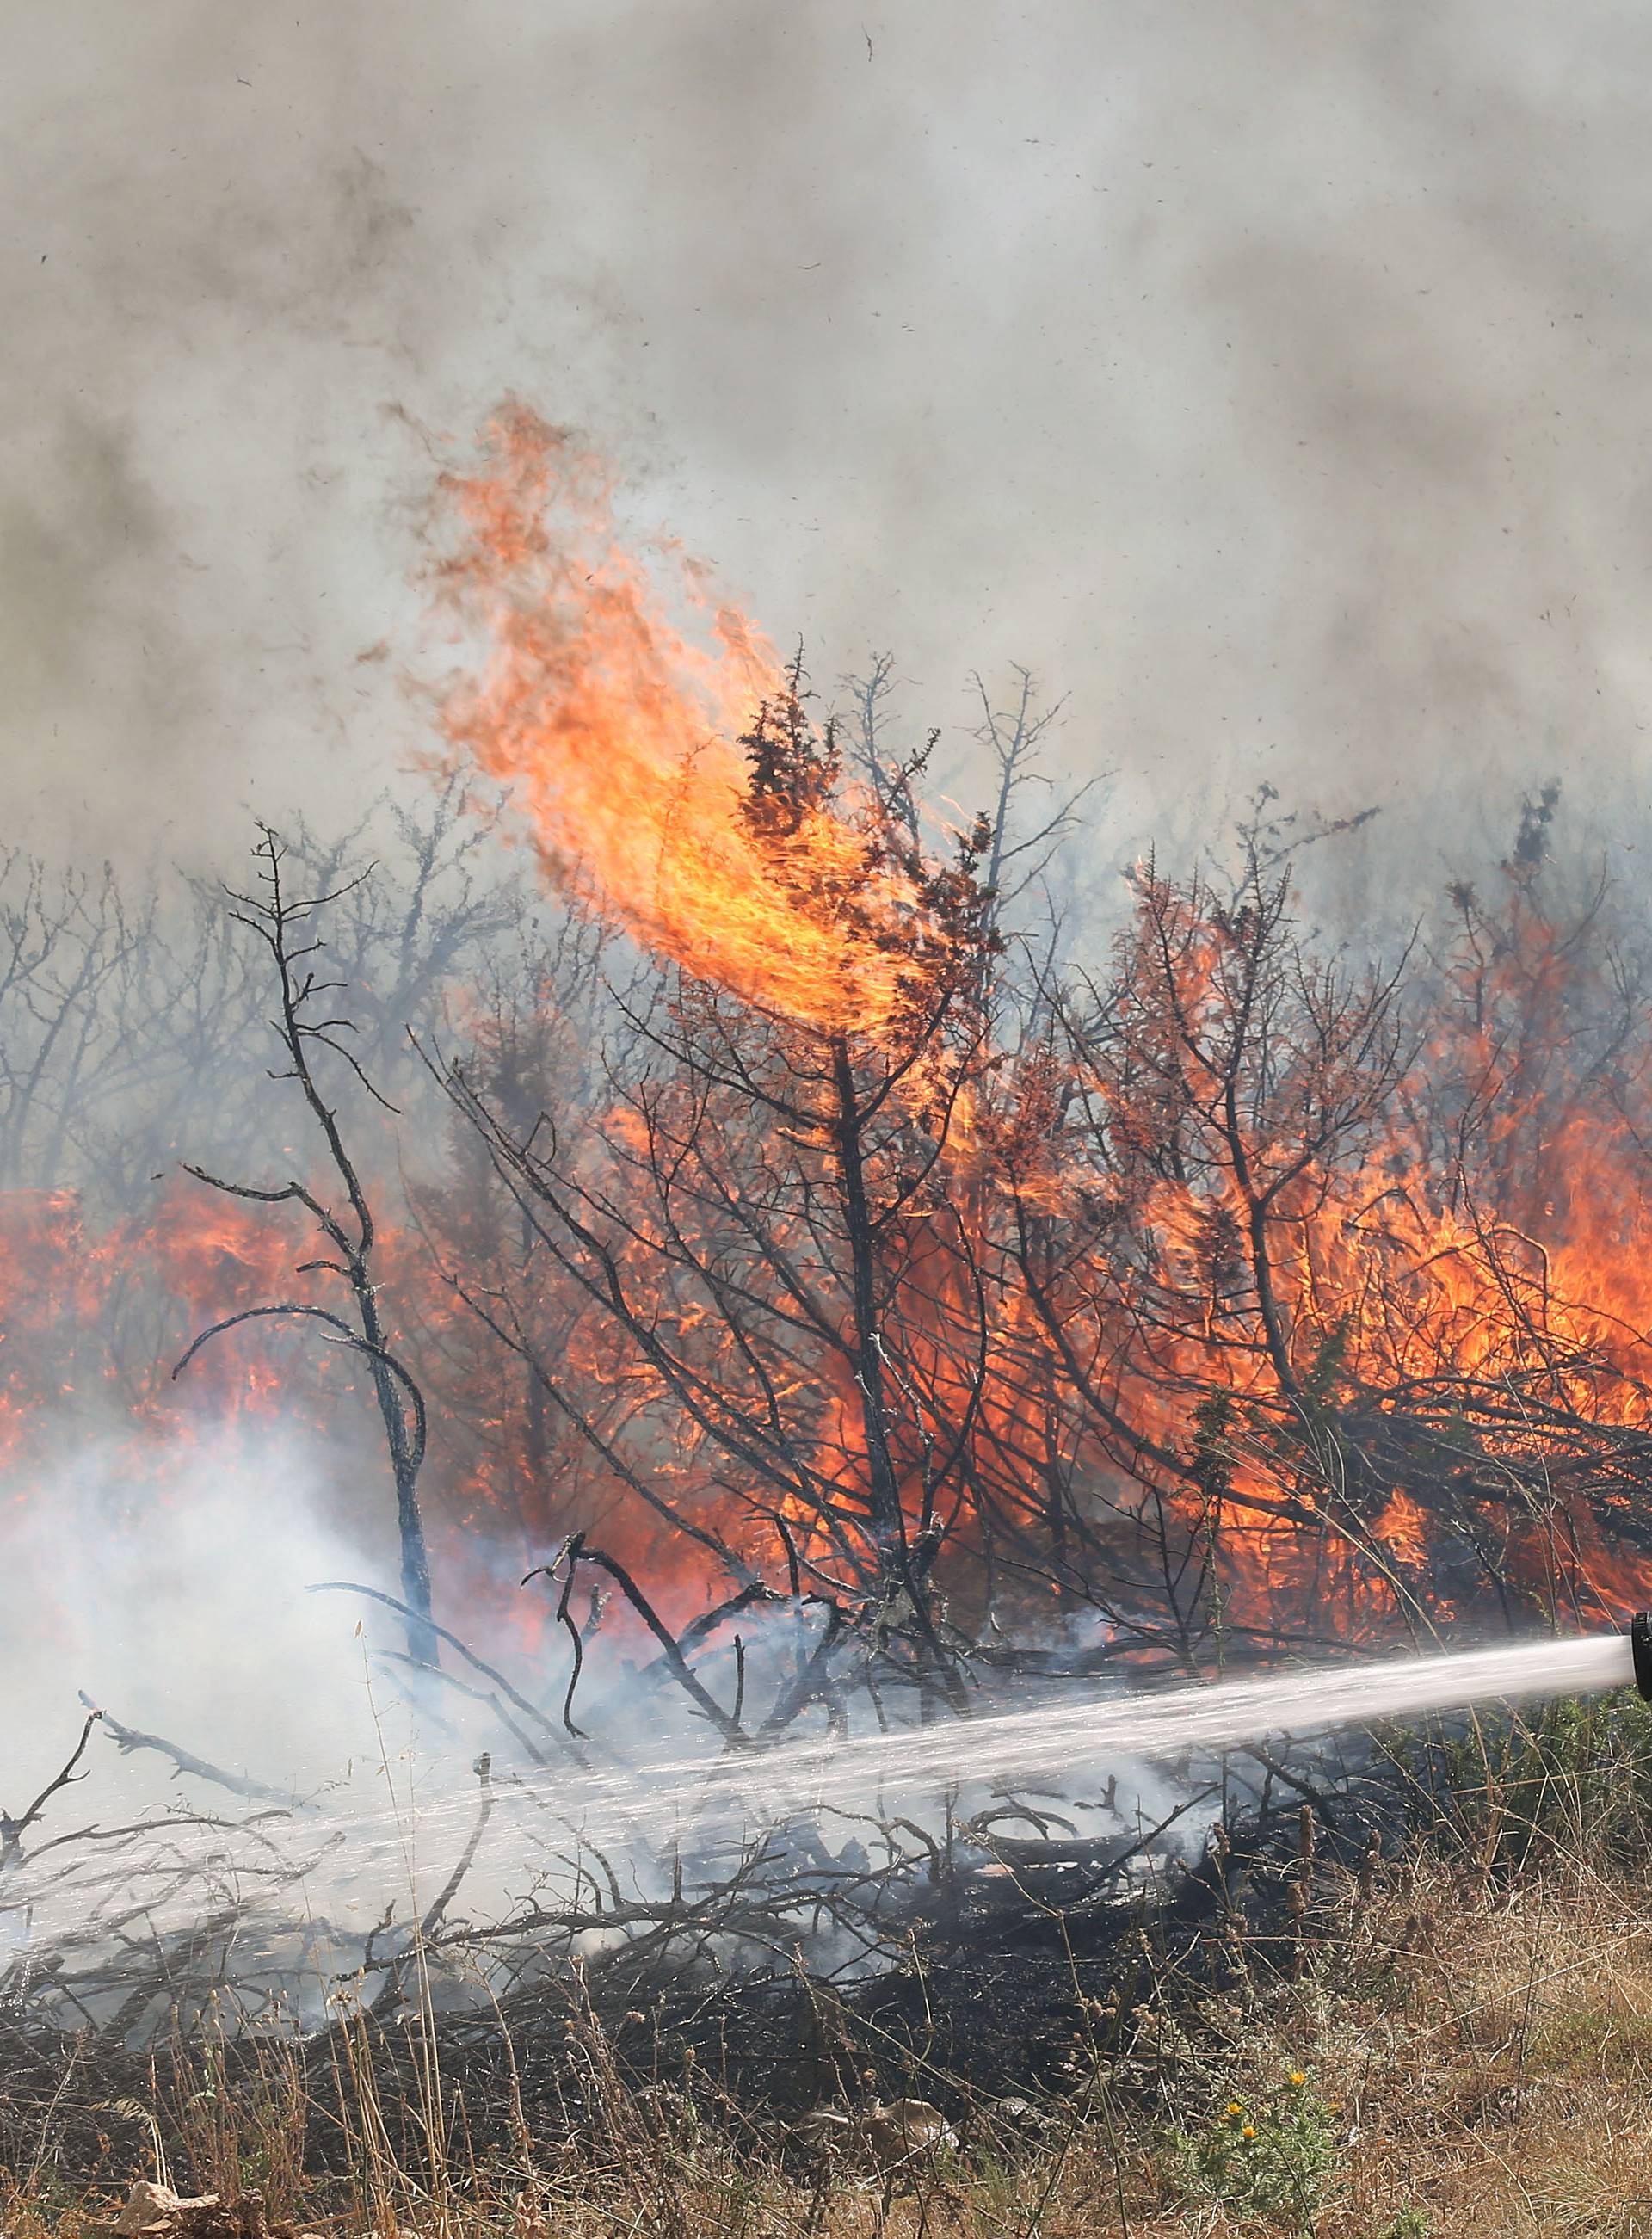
point(1641, 1649)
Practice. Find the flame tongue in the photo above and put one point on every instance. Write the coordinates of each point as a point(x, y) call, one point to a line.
point(620, 742)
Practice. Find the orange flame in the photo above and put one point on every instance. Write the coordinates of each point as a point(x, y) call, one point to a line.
point(619, 737)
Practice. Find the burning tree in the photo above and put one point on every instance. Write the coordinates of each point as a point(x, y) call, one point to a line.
point(770, 1237)
point(843, 1270)
point(933, 1296)
point(1329, 1367)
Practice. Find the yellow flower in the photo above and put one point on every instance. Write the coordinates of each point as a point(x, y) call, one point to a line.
point(1233, 2111)
point(1248, 2131)
point(1296, 2079)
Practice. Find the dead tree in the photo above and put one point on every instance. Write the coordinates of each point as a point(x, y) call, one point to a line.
point(305, 1026)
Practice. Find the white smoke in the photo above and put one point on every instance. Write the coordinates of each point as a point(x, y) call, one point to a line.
point(1273, 383)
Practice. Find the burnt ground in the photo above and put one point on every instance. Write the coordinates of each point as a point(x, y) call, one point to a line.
point(1010, 1977)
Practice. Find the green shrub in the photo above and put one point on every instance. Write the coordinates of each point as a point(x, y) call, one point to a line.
point(1274, 2158)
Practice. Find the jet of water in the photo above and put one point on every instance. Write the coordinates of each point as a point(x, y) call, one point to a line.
point(1061, 1743)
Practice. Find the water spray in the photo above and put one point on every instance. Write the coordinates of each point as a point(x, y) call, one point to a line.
point(1055, 1745)
point(1056, 1740)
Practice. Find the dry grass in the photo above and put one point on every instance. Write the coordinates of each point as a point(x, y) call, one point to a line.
point(1482, 2057)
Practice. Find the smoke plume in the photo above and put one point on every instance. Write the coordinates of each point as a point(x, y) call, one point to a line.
point(1272, 381)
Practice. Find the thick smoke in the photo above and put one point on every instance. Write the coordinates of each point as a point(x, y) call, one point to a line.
point(1271, 380)
point(176, 1601)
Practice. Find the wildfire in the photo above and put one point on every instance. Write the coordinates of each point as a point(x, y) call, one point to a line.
point(1220, 1290)
point(1222, 1264)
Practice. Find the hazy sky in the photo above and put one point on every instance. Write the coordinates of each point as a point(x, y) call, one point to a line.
point(1275, 380)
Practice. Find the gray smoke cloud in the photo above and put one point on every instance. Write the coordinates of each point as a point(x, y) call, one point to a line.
point(1272, 380)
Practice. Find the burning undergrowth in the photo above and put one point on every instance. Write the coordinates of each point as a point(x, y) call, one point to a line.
point(727, 1273)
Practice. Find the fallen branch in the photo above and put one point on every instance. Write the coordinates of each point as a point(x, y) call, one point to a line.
point(128, 1738)
point(730, 1727)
